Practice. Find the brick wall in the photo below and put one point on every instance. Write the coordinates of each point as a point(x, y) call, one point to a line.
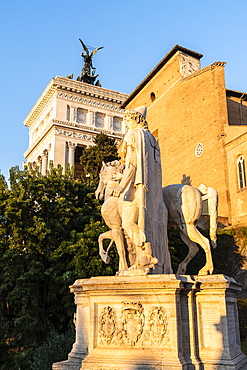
point(186, 112)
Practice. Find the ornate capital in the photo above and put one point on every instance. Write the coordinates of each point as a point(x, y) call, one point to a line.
point(45, 153)
point(72, 145)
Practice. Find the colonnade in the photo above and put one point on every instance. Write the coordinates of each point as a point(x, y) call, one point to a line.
point(42, 161)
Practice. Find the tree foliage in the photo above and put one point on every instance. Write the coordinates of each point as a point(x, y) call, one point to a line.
point(49, 227)
point(105, 150)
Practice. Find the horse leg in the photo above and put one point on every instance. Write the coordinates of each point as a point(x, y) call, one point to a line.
point(197, 237)
point(103, 254)
point(193, 249)
point(118, 237)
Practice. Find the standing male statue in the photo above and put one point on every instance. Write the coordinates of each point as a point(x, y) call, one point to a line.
point(144, 214)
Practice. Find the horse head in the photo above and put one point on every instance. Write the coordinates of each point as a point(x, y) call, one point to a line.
point(109, 171)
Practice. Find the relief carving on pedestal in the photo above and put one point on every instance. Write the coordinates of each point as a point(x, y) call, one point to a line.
point(107, 325)
point(132, 322)
point(157, 324)
point(132, 328)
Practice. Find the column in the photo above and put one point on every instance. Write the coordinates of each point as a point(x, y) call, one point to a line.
point(89, 118)
point(71, 147)
point(109, 123)
point(39, 163)
point(92, 118)
point(44, 164)
point(73, 114)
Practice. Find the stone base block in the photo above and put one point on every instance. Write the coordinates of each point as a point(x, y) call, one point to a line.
point(66, 365)
point(156, 322)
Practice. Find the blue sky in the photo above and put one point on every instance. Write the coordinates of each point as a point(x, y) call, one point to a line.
point(39, 40)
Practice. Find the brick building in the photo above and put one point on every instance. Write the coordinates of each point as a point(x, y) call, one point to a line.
point(201, 127)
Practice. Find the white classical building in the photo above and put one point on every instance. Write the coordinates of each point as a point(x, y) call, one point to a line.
point(67, 117)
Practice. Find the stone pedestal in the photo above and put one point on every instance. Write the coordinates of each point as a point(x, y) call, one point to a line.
point(218, 326)
point(155, 322)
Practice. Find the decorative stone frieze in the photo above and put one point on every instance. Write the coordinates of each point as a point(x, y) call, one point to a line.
point(73, 134)
point(158, 322)
point(133, 326)
point(90, 102)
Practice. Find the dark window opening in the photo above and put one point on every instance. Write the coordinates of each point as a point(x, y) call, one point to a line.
point(152, 96)
point(78, 166)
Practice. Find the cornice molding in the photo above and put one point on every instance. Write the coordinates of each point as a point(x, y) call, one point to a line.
point(205, 69)
point(80, 127)
point(76, 88)
point(87, 89)
point(44, 100)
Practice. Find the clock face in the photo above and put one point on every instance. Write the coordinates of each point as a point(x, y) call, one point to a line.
point(199, 149)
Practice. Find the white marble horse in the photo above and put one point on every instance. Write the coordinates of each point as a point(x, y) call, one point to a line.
point(111, 210)
point(184, 204)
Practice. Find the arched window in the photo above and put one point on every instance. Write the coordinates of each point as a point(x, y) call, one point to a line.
point(241, 172)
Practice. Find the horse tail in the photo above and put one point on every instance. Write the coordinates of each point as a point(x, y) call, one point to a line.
point(213, 213)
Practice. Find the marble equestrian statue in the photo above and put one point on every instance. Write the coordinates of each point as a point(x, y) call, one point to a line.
point(134, 208)
point(184, 204)
point(88, 71)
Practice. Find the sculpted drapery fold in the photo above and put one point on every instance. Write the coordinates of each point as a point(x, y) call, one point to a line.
point(144, 213)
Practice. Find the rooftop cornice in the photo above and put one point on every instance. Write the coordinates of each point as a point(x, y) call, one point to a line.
point(205, 69)
point(166, 58)
point(92, 90)
point(41, 102)
point(237, 94)
point(81, 88)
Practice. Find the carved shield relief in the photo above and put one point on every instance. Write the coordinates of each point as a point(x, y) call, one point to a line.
point(107, 325)
point(133, 322)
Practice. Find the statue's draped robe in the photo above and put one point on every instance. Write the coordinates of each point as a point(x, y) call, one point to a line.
point(152, 213)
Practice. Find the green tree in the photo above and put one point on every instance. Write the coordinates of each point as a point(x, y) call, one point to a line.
point(49, 226)
point(105, 150)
